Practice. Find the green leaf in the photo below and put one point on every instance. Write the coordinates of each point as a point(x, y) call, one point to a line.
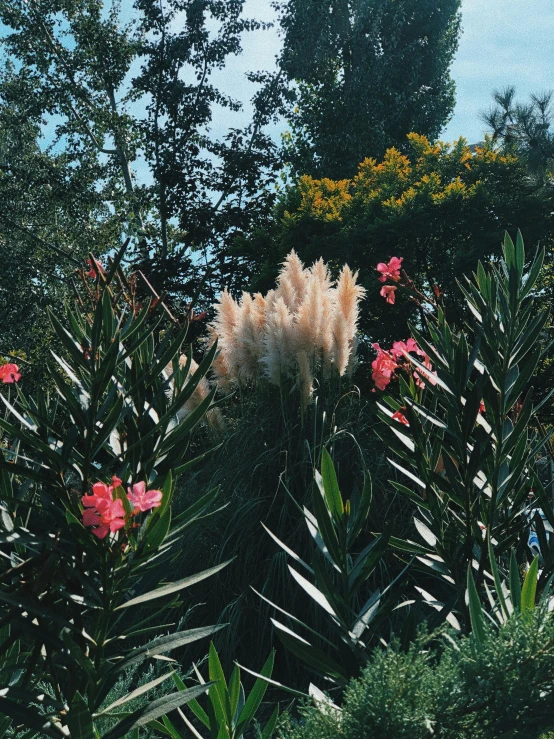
point(256, 695)
point(311, 655)
point(160, 646)
point(530, 587)
point(173, 587)
point(331, 486)
point(475, 609)
point(497, 582)
point(154, 710)
point(29, 718)
point(155, 533)
point(234, 689)
point(218, 695)
point(79, 718)
point(135, 693)
point(194, 706)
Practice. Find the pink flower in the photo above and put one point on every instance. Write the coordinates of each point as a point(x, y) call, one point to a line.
point(107, 516)
point(391, 270)
point(400, 417)
point(100, 492)
point(387, 292)
point(95, 269)
point(9, 373)
point(482, 408)
point(400, 348)
point(142, 499)
point(383, 366)
point(102, 511)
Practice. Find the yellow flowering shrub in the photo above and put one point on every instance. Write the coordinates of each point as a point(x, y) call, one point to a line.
point(426, 175)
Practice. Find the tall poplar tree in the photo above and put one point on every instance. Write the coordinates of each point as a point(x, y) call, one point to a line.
point(367, 73)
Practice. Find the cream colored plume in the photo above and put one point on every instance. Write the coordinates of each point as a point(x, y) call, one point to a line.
point(305, 326)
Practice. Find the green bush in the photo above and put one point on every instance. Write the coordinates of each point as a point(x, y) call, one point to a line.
point(500, 687)
point(78, 571)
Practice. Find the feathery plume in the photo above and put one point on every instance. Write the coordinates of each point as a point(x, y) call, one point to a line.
point(307, 324)
point(277, 343)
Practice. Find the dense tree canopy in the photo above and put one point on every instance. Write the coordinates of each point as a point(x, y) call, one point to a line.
point(124, 96)
point(51, 216)
point(368, 72)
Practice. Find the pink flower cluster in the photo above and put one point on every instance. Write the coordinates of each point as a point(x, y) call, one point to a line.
point(390, 271)
point(9, 373)
point(104, 512)
point(387, 362)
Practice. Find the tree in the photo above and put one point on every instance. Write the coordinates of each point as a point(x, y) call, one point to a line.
point(128, 103)
point(525, 130)
point(367, 73)
point(51, 217)
point(441, 207)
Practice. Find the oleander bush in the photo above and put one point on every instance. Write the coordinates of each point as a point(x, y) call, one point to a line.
point(87, 481)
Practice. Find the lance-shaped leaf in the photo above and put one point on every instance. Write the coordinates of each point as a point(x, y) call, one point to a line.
point(143, 716)
point(173, 587)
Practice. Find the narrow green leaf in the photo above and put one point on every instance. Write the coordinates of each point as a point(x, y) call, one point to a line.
point(256, 695)
point(79, 718)
point(154, 710)
point(161, 646)
point(234, 689)
point(515, 584)
point(497, 582)
point(218, 695)
point(194, 706)
point(530, 587)
point(475, 609)
point(174, 587)
point(135, 693)
point(29, 718)
point(331, 486)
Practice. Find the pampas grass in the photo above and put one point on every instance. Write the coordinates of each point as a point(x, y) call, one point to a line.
point(304, 329)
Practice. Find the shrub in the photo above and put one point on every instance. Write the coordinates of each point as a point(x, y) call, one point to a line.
point(443, 206)
point(467, 442)
point(85, 494)
point(456, 689)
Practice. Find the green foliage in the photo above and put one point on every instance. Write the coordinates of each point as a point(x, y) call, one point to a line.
point(76, 608)
point(368, 73)
point(339, 577)
point(473, 471)
point(466, 688)
point(51, 217)
point(229, 712)
point(264, 468)
point(524, 129)
point(442, 207)
point(115, 142)
point(504, 600)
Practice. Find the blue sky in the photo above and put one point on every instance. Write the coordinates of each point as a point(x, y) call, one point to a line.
point(504, 42)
